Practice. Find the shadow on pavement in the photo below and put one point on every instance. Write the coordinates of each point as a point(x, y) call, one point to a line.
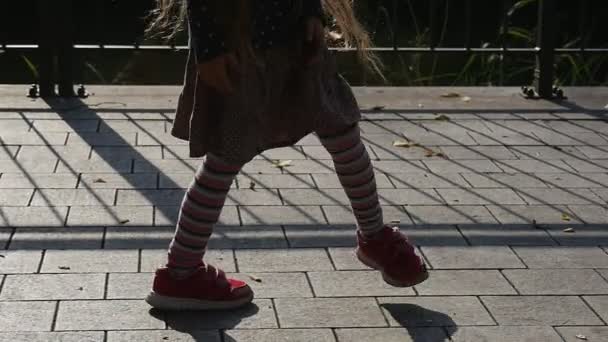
point(416, 319)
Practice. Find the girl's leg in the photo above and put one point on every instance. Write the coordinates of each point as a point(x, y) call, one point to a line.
point(379, 246)
point(356, 174)
point(187, 283)
point(199, 212)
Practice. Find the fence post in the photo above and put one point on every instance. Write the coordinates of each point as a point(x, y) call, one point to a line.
point(546, 40)
point(56, 47)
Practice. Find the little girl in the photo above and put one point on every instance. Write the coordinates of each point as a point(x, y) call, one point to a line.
point(260, 76)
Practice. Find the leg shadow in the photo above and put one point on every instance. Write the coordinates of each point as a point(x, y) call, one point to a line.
point(423, 325)
point(203, 326)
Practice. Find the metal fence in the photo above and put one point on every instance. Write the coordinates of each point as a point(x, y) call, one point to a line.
point(56, 47)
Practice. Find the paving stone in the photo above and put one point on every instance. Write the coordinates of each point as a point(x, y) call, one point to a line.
point(94, 166)
point(434, 235)
point(354, 284)
point(57, 238)
point(409, 197)
point(131, 152)
point(314, 196)
point(505, 334)
point(158, 140)
point(8, 152)
point(331, 181)
point(45, 153)
point(256, 167)
point(16, 125)
point(118, 181)
point(138, 237)
point(593, 214)
point(563, 282)
point(38, 181)
point(559, 196)
point(546, 152)
point(129, 285)
point(480, 196)
point(540, 310)
point(402, 166)
point(259, 315)
point(283, 260)
point(602, 193)
point(478, 152)
point(283, 153)
point(19, 261)
point(599, 304)
point(476, 257)
point(167, 215)
point(277, 335)
point(391, 335)
point(106, 315)
point(506, 235)
point(110, 216)
point(28, 166)
point(102, 139)
point(284, 215)
point(26, 316)
point(65, 125)
point(596, 165)
point(15, 197)
point(427, 180)
point(531, 166)
point(321, 235)
point(33, 138)
point(562, 257)
point(73, 197)
point(163, 335)
point(595, 334)
point(461, 166)
point(140, 126)
point(151, 259)
point(90, 261)
point(305, 166)
point(450, 214)
point(504, 180)
point(593, 152)
point(345, 259)
point(172, 197)
point(5, 235)
point(166, 166)
point(528, 214)
point(387, 151)
point(299, 181)
point(277, 285)
point(581, 236)
point(575, 180)
point(465, 283)
point(32, 216)
point(52, 337)
point(329, 313)
point(343, 215)
point(53, 287)
point(434, 311)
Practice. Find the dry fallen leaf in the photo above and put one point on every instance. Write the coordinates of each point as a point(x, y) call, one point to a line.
point(252, 186)
point(569, 230)
point(377, 108)
point(442, 117)
point(566, 217)
point(450, 95)
point(395, 221)
point(99, 180)
point(64, 268)
point(254, 278)
point(581, 337)
point(125, 221)
point(2, 256)
point(405, 144)
point(282, 163)
point(466, 99)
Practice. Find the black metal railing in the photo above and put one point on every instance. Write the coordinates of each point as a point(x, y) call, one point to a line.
point(56, 45)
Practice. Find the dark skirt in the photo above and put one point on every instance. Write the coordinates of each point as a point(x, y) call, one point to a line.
point(277, 101)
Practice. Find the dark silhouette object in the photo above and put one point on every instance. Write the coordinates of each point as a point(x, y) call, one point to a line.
point(418, 320)
point(56, 48)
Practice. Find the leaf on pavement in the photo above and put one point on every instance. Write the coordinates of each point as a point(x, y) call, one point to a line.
point(466, 99)
point(252, 186)
point(581, 337)
point(125, 221)
point(442, 117)
point(404, 144)
point(282, 163)
point(566, 217)
point(378, 108)
point(254, 278)
point(569, 230)
point(99, 180)
point(450, 95)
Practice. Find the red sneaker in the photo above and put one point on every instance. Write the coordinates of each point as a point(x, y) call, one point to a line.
point(206, 289)
point(391, 253)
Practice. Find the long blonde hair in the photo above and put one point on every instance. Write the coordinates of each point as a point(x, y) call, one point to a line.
point(347, 32)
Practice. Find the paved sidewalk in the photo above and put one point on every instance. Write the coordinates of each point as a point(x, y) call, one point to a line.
point(507, 199)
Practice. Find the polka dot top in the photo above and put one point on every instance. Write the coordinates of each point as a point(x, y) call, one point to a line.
point(270, 19)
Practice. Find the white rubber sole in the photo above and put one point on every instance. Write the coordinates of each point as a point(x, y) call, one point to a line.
point(389, 280)
point(183, 304)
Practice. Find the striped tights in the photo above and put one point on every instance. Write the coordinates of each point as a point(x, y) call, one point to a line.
point(204, 200)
